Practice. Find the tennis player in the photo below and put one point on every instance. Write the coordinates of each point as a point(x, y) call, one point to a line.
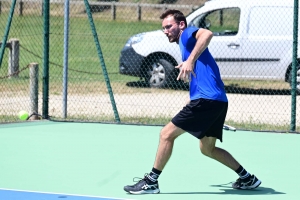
point(204, 116)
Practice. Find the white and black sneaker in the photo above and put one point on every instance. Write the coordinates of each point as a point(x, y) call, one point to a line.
point(249, 185)
point(142, 187)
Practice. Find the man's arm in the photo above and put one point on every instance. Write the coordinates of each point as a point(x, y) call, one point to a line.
point(203, 37)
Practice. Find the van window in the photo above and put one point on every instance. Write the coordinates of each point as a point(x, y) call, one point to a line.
point(271, 21)
point(220, 22)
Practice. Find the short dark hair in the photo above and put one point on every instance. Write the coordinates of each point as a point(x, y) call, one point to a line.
point(178, 15)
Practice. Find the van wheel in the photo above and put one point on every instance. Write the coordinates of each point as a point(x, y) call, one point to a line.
point(161, 74)
point(297, 79)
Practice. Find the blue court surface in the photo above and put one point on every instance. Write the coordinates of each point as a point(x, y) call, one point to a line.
point(6, 194)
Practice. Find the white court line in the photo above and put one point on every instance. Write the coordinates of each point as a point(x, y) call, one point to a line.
point(62, 194)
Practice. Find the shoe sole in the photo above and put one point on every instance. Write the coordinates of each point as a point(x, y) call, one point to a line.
point(258, 182)
point(255, 185)
point(145, 192)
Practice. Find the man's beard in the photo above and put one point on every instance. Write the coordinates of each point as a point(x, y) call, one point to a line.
point(174, 39)
point(171, 40)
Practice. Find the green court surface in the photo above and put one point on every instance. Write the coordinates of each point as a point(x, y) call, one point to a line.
point(93, 159)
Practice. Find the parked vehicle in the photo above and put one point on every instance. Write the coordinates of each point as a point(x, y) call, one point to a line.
point(252, 40)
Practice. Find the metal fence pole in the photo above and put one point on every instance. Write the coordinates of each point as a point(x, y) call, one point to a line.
point(294, 67)
point(7, 28)
point(66, 55)
point(99, 51)
point(46, 13)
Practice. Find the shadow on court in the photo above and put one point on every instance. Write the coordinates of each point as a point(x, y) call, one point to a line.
point(230, 191)
point(267, 191)
point(225, 189)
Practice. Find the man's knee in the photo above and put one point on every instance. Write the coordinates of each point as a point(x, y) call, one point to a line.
point(167, 135)
point(207, 146)
point(207, 151)
point(170, 132)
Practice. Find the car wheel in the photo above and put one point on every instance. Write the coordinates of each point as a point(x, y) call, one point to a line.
point(297, 79)
point(161, 74)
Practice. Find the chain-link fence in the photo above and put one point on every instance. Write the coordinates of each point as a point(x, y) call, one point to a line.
point(255, 63)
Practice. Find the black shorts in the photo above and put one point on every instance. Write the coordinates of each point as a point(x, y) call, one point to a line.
point(202, 117)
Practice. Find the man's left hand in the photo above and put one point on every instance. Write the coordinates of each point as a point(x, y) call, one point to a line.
point(186, 69)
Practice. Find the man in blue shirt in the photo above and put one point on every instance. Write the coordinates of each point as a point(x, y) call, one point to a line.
point(204, 115)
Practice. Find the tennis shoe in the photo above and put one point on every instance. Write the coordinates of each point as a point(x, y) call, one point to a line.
point(142, 187)
point(251, 184)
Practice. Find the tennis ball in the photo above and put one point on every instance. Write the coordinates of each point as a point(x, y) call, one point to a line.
point(23, 115)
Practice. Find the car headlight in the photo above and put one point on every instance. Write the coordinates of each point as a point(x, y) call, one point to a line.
point(135, 39)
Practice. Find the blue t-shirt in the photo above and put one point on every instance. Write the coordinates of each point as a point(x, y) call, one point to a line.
point(208, 83)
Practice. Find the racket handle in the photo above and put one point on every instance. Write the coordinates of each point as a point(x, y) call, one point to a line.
point(227, 127)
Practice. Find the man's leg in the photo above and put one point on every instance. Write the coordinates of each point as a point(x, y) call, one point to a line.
point(208, 148)
point(246, 180)
point(149, 184)
point(166, 141)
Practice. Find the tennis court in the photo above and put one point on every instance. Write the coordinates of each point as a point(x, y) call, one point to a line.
point(49, 160)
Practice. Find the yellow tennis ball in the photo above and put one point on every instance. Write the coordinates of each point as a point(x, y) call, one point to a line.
point(23, 115)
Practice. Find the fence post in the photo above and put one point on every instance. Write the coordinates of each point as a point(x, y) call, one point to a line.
point(0, 6)
point(113, 10)
point(34, 88)
point(42, 11)
point(13, 61)
point(221, 18)
point(164, 7)
point(139, 12)
point(21, 8)
point(192, 9)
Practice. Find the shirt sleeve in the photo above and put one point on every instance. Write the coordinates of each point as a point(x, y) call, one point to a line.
point(187, 38)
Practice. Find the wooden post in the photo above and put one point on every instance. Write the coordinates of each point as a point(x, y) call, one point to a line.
point(0, 6)
point(164, 7)
point(113, 10)
point(192, 9)
point(13, 61)
point(42, 10)
point(139, 12)
point(221, 18)
point(21, 8)
point(34, 89)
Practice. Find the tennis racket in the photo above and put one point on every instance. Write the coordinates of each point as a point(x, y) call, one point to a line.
point(227, 127)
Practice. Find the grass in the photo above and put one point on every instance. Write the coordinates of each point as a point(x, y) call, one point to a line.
point(83, 56)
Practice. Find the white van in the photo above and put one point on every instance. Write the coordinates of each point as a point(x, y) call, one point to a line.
point(252, 40)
